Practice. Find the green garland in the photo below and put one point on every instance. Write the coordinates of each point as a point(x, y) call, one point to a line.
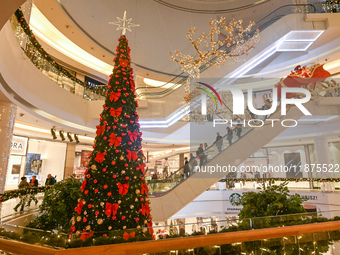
point(280, 179)
point(26, 28)
point(22, 192)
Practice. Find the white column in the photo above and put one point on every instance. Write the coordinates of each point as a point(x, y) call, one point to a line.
point(323, 156)
point(7, 118)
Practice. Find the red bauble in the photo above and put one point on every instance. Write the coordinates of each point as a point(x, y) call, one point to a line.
point(136, 219)
point(95, 181)
point(84, 220)
point(124, 73)
point(104, 170)
point(114, 217)
point(96, 213)
point(123, 102)
point(111, 144)
point(104, 137)
point(106, 108)
point(114, 176)
point(131, 121)
point(123, 217)
point(108, 128)
point(117, 82)
point(127, 116)
point(89, 206)
point(114, 127)
point(109, 194)
point(105, 186)
point(119, 90)
point(124, 126)
point(127, 178)
point(86, 192)
point(142, 178)
point(124, 78)
point(115, 121)
point(94, 146)
point(142, 199)
point(129, 143)
point(88, 176)
point(96, 191)
point(113, 162)
point(123, 69)
point(116, 151)
point(126, 165)
point(123, 134)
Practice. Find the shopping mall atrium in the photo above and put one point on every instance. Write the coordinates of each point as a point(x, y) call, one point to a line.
point(170, 127)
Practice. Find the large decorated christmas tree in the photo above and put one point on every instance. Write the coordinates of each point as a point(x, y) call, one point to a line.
point(114, 192)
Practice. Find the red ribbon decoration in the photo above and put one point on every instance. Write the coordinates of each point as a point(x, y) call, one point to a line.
point(115, 140)
point(150, 227)
point(145, 209)
point(132, 154)
point(72, 229)
point(141, 167)
point(126, 236)
point(116, 112)
point(100, 157)
point(144, 189)
point(111, 209)
point(110, 79)
point(100, 129)
point(114, 96)
point(133, 84)
point(83, 185)
point(133, 136)
point(123, 188)
point(86, 234)
point(79, 207)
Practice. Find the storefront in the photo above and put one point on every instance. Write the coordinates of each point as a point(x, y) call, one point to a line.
point(30, 157)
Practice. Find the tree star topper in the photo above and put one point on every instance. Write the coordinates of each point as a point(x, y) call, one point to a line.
point(124, 24)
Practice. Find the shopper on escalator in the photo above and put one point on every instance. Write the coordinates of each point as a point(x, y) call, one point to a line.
point(200, 154)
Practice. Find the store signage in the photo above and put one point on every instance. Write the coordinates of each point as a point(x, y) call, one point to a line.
point(19, 145)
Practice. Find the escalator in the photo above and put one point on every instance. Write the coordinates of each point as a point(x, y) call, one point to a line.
point(171, 195)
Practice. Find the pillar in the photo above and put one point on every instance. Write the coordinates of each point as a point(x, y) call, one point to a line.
point(323, 155)
point(70, 157)
point(181, 160)
point(7, 118)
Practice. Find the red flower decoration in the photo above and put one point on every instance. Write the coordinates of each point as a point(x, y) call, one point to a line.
point(132, 155)
point(123, 62)
point(115, 140)
point(116, 112)
point(114, 96)
point(100, 157)
point(111, 209)
point(123, 188)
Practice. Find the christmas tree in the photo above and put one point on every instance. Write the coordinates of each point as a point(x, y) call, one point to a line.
point(114, 192)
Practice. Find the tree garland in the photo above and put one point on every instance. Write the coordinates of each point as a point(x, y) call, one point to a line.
point(26, 28)
point(22, 192)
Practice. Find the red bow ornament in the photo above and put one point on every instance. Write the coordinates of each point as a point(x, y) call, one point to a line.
point(86, 234)
point(115, 140)
point(145, 209)
point(132, 155)
point(126, 236)
point(123, 188)
point(83, 185)
point(79, 207)
point(133, 136)
point(100, 129)
point(111, 209)
point(114, 96)
point(100, 157)
point(141, 167)
point(116, 112)
point(144, 189)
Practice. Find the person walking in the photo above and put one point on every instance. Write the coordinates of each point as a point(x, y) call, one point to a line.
point(200, 154)
point(50, 180)
point(219, 142)
point(23, 184)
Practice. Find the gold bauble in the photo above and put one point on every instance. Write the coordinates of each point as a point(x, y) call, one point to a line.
point(136, 199)
point(88, 227)
point(85, 212)
point(84, 202)
point(102, 203)
point(121, 158)
point(137, 191)
point(138, 227)
point(145, 230)
point(123, 171)
point(138, 159)
point(100, 221)
point(135, 177)
point(131, 207)
point(79, 218)
point(119, 201)
point(78, 232)
point(145, 222)
point(109, 228)
point(94, 167)
point(124, 227)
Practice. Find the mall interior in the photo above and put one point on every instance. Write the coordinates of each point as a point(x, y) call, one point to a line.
point(49, 112)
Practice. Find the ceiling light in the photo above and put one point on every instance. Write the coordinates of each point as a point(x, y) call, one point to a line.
point(298, 40)
point(160, 84)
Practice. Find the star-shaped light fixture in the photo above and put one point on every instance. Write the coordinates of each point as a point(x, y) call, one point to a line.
point(124, 24)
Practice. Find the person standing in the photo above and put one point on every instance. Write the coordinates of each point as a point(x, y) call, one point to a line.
point(200, 154)
point(219, 142)
point(229, 135)
point(50, 180)
point(34, 182)
point(186, 168)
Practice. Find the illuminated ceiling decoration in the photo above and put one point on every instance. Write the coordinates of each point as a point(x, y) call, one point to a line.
point(233, 41)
